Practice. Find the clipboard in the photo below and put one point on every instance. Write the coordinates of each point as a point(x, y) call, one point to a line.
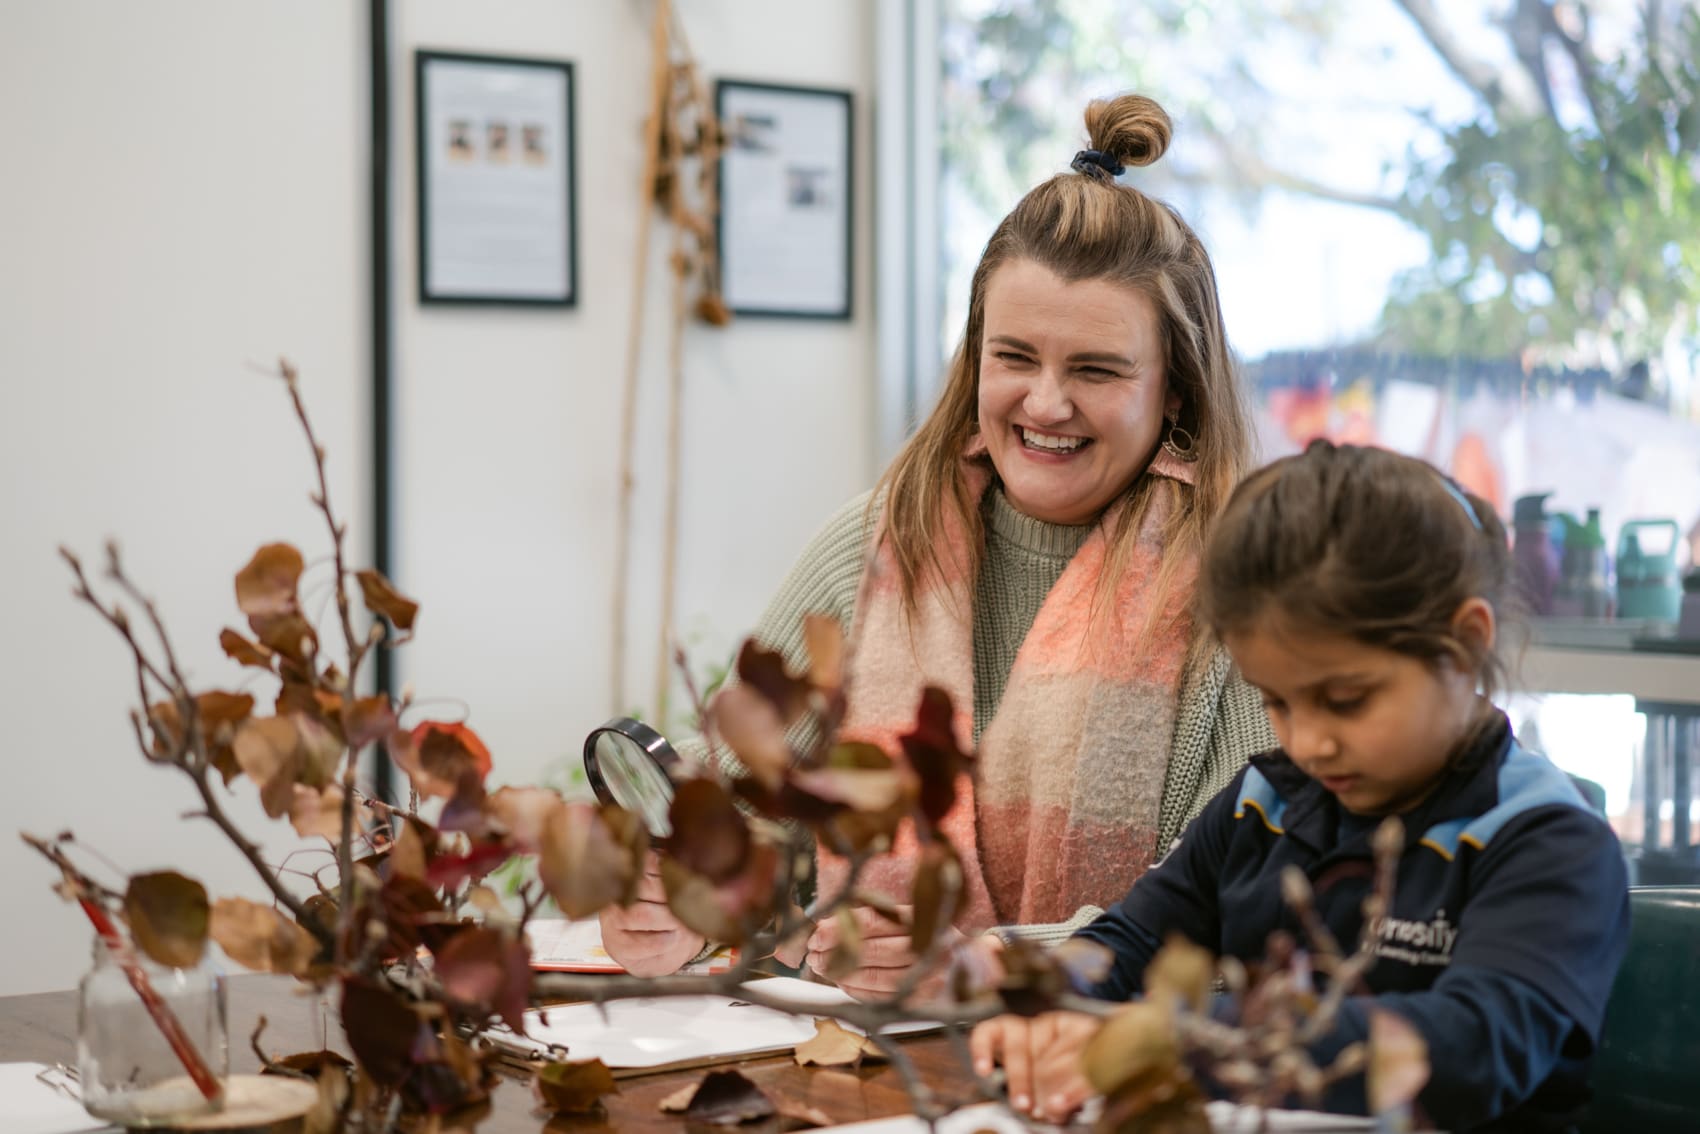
point(673, 1033)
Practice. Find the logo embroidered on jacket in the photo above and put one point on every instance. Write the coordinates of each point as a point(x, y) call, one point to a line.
point(1416, 942)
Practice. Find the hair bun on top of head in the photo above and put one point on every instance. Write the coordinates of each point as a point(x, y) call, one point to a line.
point(1129, 129)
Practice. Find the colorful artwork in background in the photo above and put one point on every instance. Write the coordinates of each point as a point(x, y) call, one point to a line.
point(1501, 433)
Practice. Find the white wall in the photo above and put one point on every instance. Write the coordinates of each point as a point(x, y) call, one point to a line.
point(184, 193)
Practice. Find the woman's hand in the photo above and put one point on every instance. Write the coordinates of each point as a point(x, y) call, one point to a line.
point(644, 937)
point(1041, 1060)
point(885, 958)
point(887, 954)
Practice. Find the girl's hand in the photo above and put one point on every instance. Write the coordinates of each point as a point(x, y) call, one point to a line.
point(1041, 1060)
point(645, 938)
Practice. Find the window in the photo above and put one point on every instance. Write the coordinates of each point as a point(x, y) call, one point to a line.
point(1469, 231)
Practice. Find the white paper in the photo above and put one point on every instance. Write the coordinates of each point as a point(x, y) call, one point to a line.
point(33, 1107)
point(560, 945)
point(1225, 1118)
point(654, 1031)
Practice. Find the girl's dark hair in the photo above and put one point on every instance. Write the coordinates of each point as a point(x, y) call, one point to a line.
point(1366, 543)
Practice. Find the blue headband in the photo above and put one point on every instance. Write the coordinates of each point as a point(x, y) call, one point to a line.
point(1457, 494)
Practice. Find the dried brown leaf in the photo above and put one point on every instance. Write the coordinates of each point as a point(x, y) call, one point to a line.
point(487, 972)
point(258, 937)
point(750, 726)
point(411, 850)
point(591, 857)
point(385, 601)
point(730, 911)
point(524, 812)
point(384, 1031)
point(243, 651)
point(290, 636)
point(317, 811)
point(723, 1098)
point(266, 585)
point(1137, 1039)
point(936, 894)
point(934, 753)
point(1183, 971)
point(168, 915)
point(269, 752)
point(834, 1045)
point(574, 1088)
point(367, 720)
point(764, 671)
point(710, 835)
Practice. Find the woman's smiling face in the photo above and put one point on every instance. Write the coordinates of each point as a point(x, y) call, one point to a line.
point(1073, 389)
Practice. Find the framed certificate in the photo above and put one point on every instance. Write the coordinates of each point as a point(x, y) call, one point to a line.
point(497, 214)
point(785, 199)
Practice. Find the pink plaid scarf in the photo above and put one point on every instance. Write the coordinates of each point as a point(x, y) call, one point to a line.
point(1062, 809)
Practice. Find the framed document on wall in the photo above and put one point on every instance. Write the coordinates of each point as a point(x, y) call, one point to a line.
point(496, 169)
point(785, 199)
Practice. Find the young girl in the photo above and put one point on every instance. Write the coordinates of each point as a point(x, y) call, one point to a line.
point(1359, 591)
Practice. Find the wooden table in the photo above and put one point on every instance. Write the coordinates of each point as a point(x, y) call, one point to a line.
point(43, 1029)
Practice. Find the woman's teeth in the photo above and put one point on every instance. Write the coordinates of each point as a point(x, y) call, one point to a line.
point(1049, 442)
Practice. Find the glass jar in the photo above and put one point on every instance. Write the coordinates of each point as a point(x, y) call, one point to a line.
point(131, 1073)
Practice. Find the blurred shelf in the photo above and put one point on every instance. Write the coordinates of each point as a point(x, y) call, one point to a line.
point(1672, 678)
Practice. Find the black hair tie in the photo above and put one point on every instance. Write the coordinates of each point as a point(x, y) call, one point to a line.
point(1096, 163)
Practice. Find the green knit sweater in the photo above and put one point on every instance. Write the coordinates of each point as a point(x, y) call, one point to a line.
point(1219, 721)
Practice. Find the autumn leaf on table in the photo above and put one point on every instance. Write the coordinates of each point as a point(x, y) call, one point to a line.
point(722, 1098)
point(834, 1045)
point(573, 1088)
point(168, 915)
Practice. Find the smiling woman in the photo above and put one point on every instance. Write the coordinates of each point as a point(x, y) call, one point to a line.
point(1032, 552)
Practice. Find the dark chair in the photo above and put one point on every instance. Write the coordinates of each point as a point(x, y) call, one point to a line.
point(1647, 1071)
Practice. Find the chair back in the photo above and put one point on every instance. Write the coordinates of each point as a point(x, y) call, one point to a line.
point(1647, 1071)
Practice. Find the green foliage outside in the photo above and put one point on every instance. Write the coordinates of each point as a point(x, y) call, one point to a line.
point(1562, 211)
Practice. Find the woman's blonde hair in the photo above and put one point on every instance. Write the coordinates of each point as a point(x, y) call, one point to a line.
point(1087, 226)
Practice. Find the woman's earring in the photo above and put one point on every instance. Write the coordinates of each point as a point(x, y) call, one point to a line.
point(1178, 443)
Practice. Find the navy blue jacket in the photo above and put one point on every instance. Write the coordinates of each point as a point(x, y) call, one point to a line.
point(1510, 917)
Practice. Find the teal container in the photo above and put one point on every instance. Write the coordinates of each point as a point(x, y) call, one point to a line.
point(1647, 582)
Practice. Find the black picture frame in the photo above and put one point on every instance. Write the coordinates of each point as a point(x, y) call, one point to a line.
point(496, 171)
point(786, 223)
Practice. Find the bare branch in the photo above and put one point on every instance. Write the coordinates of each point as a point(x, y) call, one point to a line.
point(1508, 92)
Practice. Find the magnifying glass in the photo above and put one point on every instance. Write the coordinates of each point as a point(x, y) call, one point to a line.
point(630, 764)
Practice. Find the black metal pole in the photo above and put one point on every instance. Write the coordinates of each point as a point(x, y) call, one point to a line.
point(383, 331)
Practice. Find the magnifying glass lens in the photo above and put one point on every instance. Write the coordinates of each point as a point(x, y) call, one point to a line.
point(635, 780)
